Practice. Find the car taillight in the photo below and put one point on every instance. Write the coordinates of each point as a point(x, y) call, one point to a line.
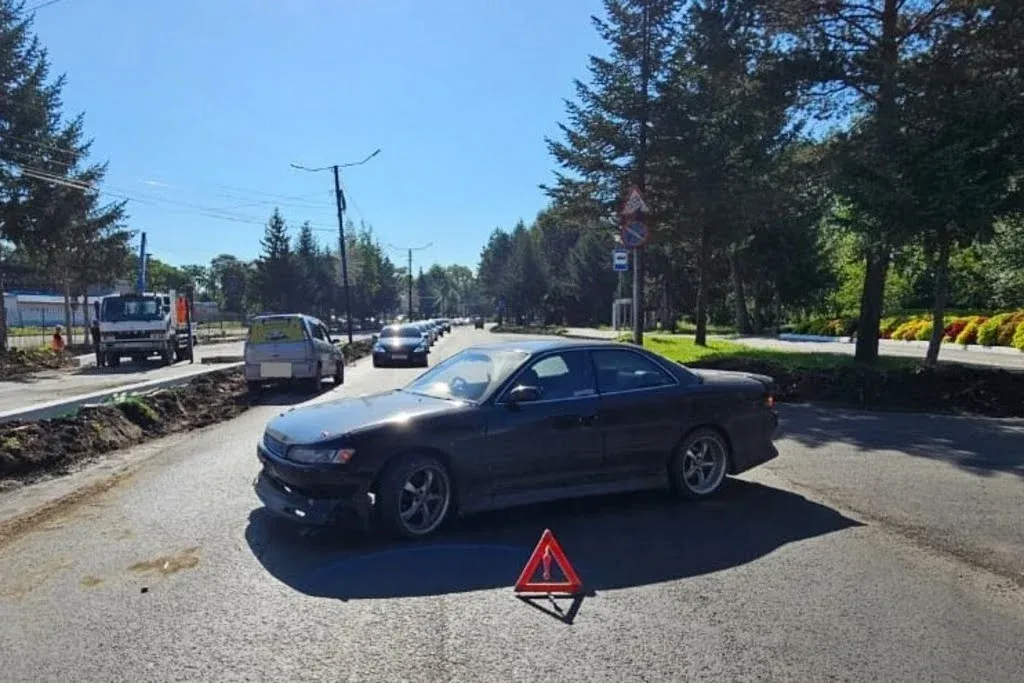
point(769, 401)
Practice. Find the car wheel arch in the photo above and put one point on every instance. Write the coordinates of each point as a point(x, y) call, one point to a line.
point(718, 429)
point(437, 453)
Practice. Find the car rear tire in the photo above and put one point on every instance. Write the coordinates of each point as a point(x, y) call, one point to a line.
point(339, 374)
point(414, 497)
point(700, 464)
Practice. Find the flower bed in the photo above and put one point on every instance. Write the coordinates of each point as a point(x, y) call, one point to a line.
point(1004, 329)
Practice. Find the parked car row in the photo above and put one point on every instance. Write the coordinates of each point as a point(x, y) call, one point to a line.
point(409, 343)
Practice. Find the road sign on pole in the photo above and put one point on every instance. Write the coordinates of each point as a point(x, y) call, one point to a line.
point(634, 233)
point(620, 260)
point(634, 202)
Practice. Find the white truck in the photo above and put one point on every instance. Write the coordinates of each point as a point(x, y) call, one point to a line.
point(139, 325)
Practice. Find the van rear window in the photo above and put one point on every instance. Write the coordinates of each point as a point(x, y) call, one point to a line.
point(276, 330)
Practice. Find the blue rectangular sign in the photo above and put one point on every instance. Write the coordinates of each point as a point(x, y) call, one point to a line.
point(620, 260)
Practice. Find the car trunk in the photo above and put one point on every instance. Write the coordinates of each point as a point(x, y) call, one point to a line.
point(273, 343)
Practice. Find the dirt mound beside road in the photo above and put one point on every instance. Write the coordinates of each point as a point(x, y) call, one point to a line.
point(33, 448)
point(19, 362)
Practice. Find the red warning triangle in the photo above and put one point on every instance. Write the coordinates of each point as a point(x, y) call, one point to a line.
point(548, 550)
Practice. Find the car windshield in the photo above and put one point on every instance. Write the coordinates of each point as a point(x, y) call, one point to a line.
point(469, 375)
point(117, 309)
point(405, 332)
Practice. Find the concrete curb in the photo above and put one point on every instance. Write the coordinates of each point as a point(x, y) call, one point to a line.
point(52, 409)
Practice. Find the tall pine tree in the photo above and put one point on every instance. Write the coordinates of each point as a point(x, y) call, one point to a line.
point(276, 268)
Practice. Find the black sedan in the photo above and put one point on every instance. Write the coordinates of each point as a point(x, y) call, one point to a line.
point(401, 344)
point(516, 423)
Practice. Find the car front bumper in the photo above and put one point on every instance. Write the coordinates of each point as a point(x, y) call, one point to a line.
point(387, 356)
point(286, 490)
point(128, 346)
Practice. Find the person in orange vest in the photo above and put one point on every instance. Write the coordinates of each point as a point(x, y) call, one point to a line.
point(57, 343)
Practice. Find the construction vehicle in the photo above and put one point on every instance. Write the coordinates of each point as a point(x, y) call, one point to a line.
point(142, 324)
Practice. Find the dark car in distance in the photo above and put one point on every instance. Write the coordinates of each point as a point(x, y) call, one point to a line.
point(516, 423)
point(401, 344)
point(478, 323)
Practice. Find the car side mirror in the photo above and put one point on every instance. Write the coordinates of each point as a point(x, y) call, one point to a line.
point(523, 394)
point(374, 339)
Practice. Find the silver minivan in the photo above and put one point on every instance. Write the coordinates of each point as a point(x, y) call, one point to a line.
point(291, 348)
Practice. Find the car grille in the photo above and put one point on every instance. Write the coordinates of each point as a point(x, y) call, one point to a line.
point(274, 446)
point(132, 335)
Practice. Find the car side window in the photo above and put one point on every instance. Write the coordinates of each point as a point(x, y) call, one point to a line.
point(318, 332)
point(619, 370)
point(560, 376)
point(326, 334)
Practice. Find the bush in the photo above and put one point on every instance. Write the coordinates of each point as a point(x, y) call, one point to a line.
point(969, 335)
point(988, 332)
point(923, 332)
point(1007, 329)
point(907, 330)
point(888, 326)
point(1018, 337)
point(953, 329)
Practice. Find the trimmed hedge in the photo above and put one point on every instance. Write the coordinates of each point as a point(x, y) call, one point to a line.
point(998, 330)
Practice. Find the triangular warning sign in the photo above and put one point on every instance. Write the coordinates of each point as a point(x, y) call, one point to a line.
point(634, 202)
point(547, 553)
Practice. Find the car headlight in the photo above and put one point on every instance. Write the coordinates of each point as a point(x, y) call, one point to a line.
point(421, 348)
point(379, 348)
point(314, 456)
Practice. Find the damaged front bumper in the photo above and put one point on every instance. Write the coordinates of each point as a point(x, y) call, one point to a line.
point(348, 505)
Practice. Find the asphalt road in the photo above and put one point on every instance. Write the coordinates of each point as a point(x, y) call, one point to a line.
point(25, 392)
point(887, 347)
point(174, 573)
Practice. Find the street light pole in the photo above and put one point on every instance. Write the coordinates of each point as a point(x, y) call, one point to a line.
point(339, 199)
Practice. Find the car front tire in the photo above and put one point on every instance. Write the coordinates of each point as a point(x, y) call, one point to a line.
point(700, 464)
point(414, 497)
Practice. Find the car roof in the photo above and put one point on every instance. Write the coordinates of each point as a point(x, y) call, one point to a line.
point(273, 316)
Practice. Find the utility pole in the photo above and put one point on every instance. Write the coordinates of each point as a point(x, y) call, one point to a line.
point(641, 171)
point(339, 200)
point(409, 251)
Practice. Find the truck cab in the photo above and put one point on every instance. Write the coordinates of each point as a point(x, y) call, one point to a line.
point(140, 325)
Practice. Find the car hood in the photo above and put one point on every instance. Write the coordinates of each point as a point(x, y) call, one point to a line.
point(331, 419)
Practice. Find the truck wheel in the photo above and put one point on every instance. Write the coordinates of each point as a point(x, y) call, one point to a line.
point(166, 357)
point(113, 360)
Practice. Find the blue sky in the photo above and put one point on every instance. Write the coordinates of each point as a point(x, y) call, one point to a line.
point(201, 105)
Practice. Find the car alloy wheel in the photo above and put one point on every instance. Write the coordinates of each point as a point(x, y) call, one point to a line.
point(416, 496)
point(700, 464)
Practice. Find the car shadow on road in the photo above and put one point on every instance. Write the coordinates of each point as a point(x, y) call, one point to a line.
point(612, 542)
point(982, 446)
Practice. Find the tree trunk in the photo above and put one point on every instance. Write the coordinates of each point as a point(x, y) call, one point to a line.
point(941, 293)
point(871, 299)
point(3, 311)
point(738, 295)
point(701, 337)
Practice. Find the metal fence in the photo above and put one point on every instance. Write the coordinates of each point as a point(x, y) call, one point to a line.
point(226, 328)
